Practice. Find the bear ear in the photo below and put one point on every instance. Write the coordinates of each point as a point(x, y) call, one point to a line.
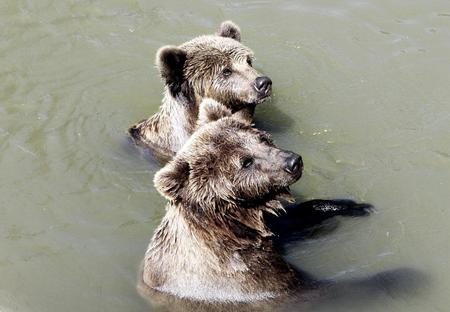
point(230, 30)
point(170, 62)
point(170, 180)
point(211, 110)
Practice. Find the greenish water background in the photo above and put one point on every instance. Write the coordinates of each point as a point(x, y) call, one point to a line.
point(361, 91)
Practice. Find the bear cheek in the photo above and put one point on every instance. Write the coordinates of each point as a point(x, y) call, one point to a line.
point(236, 88)
point(267, 178)
point(281, 179)
point(241, 95)
point(243, 88)
point(256, 185)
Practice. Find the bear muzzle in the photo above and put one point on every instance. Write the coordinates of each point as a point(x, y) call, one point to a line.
point(263, 85)
point(294, 165)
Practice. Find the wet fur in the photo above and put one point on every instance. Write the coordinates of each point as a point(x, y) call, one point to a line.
point(192, 72)
point(214, 244)
point(218, 248)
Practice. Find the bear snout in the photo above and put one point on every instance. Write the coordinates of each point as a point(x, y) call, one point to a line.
point(294, 164)
point(263, 85)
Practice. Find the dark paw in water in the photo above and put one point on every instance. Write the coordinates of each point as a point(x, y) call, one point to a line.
point(354, 209)
point(339, 207)
point(304, 219)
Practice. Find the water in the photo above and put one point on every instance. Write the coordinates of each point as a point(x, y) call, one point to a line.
point(361, 91)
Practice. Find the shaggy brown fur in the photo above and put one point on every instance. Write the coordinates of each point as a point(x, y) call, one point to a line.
point(215, 66)
point(213, 250)
point(213, 243)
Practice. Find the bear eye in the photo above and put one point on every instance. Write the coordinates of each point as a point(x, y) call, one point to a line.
point(249, 61)
point(226, 72)
point(247, 162)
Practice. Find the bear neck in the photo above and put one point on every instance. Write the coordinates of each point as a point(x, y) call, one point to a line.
point(168, 129)
point(230, 227)
point(197, 257)
point(178, 116)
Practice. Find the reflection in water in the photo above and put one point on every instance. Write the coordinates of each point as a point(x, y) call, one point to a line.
point(340, 296)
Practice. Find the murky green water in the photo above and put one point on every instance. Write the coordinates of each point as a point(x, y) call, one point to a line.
point(361, 90)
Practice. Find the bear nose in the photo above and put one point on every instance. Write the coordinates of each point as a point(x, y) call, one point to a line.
point(294, 164)
point(263, 84)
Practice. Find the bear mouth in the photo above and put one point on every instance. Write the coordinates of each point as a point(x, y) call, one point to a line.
point(261, 98)
point(275, 205)
point(271, 202)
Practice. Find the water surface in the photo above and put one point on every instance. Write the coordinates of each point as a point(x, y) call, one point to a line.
point(361, 91)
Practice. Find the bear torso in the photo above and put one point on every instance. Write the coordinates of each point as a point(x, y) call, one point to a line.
point(181, 261)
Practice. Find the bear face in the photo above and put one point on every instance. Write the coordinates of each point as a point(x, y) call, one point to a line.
point(216, 66)
point(228, 163)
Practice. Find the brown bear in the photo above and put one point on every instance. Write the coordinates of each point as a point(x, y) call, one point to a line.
point(213, 243)
point(215, 66)
point(214, 249)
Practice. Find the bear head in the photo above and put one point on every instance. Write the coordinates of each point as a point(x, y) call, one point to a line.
point(227, 166)
point(215, 66)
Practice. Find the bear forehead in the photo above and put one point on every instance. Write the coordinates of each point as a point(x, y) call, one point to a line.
point(210, 46)
point(222, 137)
